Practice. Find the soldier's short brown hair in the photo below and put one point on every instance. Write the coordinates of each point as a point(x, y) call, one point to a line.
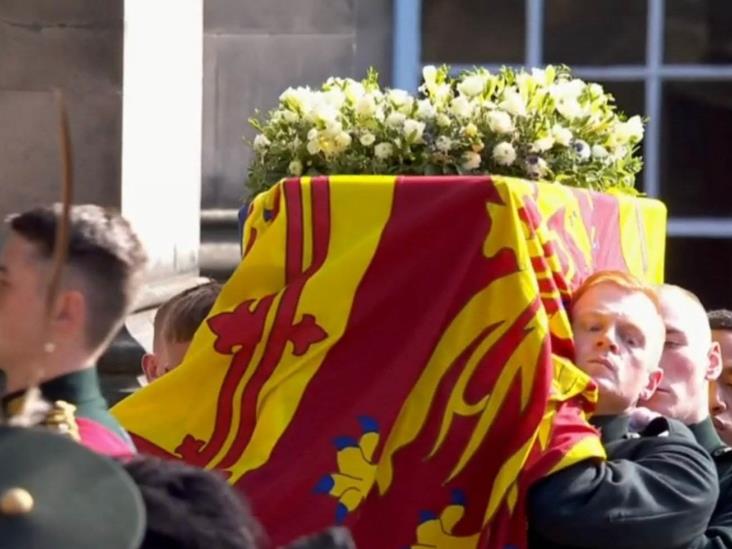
point(178, 319)
point(721, 319)
point(104, 253)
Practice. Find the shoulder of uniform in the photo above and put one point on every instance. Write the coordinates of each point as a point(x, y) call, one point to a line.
point(61, 417)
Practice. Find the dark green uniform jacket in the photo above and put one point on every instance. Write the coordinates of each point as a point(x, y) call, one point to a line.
point(719, 531)
point(94, 425)
point(656, 491)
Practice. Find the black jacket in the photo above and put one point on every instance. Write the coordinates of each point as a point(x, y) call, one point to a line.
point(657, 490)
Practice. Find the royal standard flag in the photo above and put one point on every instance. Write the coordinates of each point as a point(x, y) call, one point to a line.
point(393, 354)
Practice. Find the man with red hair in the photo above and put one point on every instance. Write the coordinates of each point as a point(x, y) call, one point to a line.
point(657, 489)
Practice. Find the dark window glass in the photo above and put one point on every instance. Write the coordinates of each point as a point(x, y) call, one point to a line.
point(698, 31)
point(473, 31)
point(704, 266)
point(597, 32)
point(696, 158)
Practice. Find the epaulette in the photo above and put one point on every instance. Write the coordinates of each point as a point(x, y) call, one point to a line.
point(61, 418)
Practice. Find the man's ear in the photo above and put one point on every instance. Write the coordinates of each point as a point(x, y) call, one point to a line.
point(149, 365)
point(654, 379)
point(714, 370)
point(70, 312)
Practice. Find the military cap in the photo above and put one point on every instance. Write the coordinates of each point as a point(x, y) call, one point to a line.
point(55, 493)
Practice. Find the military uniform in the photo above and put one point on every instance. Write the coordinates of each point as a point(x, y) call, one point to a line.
point(56, 494)
point(719, 531)
point(80, 410)
point(657, 490)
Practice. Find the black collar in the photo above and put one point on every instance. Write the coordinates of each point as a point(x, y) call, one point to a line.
point(611, 427)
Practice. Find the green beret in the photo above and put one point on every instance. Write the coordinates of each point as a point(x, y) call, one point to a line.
point(56, 493)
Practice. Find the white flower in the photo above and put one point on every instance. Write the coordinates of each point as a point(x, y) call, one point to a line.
point(562, 135)
point(471, 130)
point(290, 116)
point(343, 141)
point(631, 130)
point(569, 108)
point(443, 143)
point(598, 151)
point(504, 154)
point(471, 160)
point(429, 74)
point(395, 120)
point(542, 144)
point(619, 153)
point(499, 122)
point(513, 102)
point(536, 167)
point(332, 128)
point(297, 98)
point(441, 92)
point(323, 112)
point(335, 98)
point(295, 168)
point(313, 146)
point(367, 139)
point(540, 76)
point(426, 110)
point(413, 130)
point(582, 149)
point(596, 90)
point(461, 107)
point(366, 106)
point(443, 120)
point(399, 98)
point(472, 85)
point(383, 150)
point(354, 90)
point(261, 143)
point(312, 134)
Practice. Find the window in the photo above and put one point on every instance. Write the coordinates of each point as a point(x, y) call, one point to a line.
point(670, 60)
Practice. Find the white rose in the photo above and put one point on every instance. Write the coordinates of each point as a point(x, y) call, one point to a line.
point(513, 103)
point(383, 150)
point(332, 128)
point(399, 98)
point(443, 120)
point(261, 143)
point(395, 120)
point(426, 110)
point(442, 92)
point(598, 151)
point(471, 130)
point(325, 113)
point(295, 168)
point(543, 144)
point(562, 135)
point(504, 154)
point(443, 143)
point(297, 97)
point(343, 140)
point(366, 106)
point(461, 107)
point(413, 130)
point(471, 160)
point(472, 85)
point(499, 122)
point(312, 134)
point(367, 139)
point(313, 146)
point(335, 98)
